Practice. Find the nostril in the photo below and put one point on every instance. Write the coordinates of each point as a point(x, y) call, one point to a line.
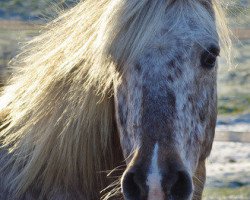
point(131, 189)
point(134, 185)
point(182, 188)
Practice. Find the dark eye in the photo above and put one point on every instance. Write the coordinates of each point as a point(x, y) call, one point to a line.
point(209, 57)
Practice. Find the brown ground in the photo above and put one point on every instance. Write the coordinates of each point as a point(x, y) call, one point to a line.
point(242, 34)
point(17, 25)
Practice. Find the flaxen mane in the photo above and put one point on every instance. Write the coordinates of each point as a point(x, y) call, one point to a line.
point(58, 108)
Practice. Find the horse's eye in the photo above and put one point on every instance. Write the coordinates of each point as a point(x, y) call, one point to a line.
point(209, 57)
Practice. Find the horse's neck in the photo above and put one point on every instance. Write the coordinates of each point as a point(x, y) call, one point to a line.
point(31, 194)
point(57, 193)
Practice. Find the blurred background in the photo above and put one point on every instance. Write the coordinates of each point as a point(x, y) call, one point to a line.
point(228, 170)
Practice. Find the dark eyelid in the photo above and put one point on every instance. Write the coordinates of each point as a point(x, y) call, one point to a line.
point(209, 56)
point(215, 50)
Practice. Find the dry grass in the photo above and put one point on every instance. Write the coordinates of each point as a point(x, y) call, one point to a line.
point(241, 193)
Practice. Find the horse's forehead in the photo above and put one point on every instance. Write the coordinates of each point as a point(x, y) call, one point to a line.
point(165, 61)
point(188, 25)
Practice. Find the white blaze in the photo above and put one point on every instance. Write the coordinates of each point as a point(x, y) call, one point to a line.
point(154, 178)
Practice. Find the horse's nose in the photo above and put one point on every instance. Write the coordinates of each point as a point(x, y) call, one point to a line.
point(134, 185)
point(174, 184)
point(177, 184)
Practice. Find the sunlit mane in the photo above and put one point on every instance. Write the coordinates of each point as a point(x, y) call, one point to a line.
point(59, 106)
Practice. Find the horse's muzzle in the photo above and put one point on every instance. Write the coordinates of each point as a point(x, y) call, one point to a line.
point(175, 184)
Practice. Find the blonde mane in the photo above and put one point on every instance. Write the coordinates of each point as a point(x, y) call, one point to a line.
point(58, 108)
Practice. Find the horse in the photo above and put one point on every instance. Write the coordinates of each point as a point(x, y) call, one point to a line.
point(115, 99)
